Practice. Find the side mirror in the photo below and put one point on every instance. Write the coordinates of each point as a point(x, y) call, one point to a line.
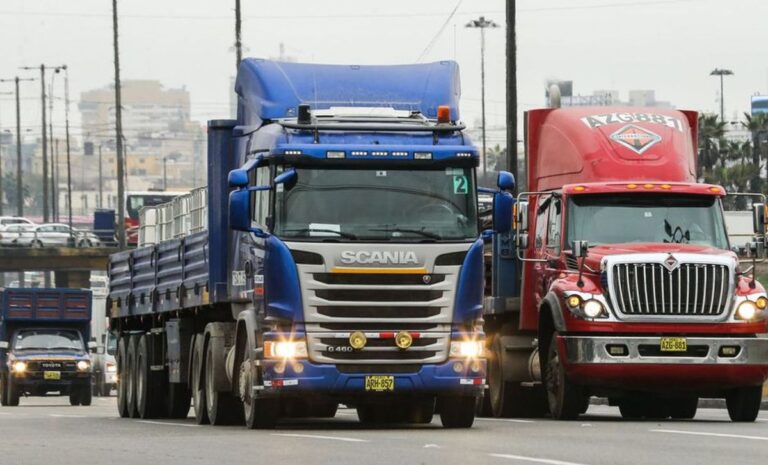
point(502, 212)
point(286, 176)
point(92, 345)
point(505, 181)
point(3, 345)
point(522, 216)
point(758, 218)
point(238, 178)
point(239, 209)
point(580, 248)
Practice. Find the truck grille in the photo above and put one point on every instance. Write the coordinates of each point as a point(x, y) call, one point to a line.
point(335, 348)
point(691, 289)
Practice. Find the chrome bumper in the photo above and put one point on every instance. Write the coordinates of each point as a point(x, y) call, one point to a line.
point(594, 349)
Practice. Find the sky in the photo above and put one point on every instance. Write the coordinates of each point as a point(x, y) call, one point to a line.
point(669, 46)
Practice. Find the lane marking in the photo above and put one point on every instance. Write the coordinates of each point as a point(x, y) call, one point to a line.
point(717, 435)
point(316, 436)
point(533, 459)
point(57, 415)
point(166, 423)
point(508, 420)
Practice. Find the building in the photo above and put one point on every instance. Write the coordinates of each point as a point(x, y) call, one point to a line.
point(603, 98)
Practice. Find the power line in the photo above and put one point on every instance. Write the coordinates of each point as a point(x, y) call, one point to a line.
point(432, 42)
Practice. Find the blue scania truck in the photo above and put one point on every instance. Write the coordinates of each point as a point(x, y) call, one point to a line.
point(338, 262)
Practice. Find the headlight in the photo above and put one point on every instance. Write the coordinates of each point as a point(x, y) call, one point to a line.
point(19, 367)
point(111, 368)
point(468, 349)
point(592, 309)
point(285, 349)
point(82, 365)
point(746, 310)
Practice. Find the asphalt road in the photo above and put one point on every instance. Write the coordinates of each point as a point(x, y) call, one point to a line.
point(48, 431)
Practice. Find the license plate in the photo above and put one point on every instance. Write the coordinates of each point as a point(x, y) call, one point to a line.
point(673, 344)
point(380, 383)
point(53, 375)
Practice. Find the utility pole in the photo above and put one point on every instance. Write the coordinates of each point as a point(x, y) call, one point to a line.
point(165, 173)
point(1, 161)
point(19, 168)
point(482, 23)
point(511, 161)
point(721, 72)
point(238, 41)
point(101, 185)
point(54, 146)
point(118, 137)
point(66, 132)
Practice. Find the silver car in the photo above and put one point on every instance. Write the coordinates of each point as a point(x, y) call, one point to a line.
point(60, 235)
point(17, 235)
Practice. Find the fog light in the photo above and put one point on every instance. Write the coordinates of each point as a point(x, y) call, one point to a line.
point(298, 368)
point(476, 366)
point(458, 367)
point(19, 367)
point(279, 368)
point(403, 340)
point(729, 351)
point(573, 301)
point(761, 303)
point(617, 350)
point(746, 310)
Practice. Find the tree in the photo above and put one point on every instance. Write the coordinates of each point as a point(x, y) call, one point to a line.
point(711, 131)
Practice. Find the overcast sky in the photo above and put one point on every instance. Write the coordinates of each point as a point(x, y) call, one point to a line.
point(666, 45)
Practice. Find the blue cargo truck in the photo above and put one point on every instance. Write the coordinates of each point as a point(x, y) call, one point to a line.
point(339, 260)
point(44, 336)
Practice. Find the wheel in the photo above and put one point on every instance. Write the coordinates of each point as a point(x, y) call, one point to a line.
point(178, 400)
point(198, 391)
point(147, 382)
point(10, 394)
point(565, 398)
point(744, 403)
point(86, 396)
point(37, 244)
point(106, 390)
point(509, 399)
point(258, 413)
point(122, 373)
point(373, 414)
point(683, 409)
point(631, 409)
point(223, 407)
point(323, 410)
point(420, 411)
point(130, 396)
point(457, 411)
point(635, 408)
point(74, 396)
point(3, 390)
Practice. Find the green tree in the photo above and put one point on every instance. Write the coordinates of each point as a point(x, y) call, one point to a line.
point(711, 132)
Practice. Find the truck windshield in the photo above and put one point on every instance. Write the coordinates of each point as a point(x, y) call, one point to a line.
point(382, 204)
point(48, 339)
point(617, 219)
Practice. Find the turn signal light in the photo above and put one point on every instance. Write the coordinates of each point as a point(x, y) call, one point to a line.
point(443, 114)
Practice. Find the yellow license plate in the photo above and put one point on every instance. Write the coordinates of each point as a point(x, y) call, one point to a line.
point(380, 383)
point(673, 344)
point(54, 375)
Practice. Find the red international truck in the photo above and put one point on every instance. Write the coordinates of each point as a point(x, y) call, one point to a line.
point(614, 276)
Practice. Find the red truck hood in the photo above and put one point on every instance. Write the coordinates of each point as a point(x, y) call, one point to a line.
point(597, 252)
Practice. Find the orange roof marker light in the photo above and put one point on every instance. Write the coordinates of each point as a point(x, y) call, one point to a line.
point(665, 186)
point(443, 114)
point(631, 186)
point(648, 186)
point(716, 189)
point(579, 188)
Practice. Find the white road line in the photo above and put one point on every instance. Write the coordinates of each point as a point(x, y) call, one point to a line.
point(315, 436)
point(702, 433)
point(533, 459)
point(166, 423)
point(56, 415)
point(508, 420)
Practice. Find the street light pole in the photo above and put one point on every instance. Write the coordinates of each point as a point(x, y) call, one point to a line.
point(54, 147)
point(482, 23)
point(721, 72)
point(118, 136)
point(238, 41)
point(512, 92)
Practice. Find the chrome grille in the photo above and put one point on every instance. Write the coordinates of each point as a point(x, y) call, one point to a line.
point(690, 289)
point(334, 348)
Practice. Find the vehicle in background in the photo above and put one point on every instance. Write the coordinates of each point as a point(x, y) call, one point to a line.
point(617, 279)
point(741, 231)
point(104, 365)
point(334, 258)
point(99, 286)
point(17, 235)
point(134, 202)
point(9, 220)
point(43, 334)
point(60, 235)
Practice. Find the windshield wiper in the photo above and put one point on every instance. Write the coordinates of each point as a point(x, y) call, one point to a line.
point(345, 235)
point(421, 232)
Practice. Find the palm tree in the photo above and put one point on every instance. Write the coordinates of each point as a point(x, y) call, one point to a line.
point(711, 131)
point(756, 124)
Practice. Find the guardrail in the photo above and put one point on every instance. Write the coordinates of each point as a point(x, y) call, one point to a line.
point(81, 238)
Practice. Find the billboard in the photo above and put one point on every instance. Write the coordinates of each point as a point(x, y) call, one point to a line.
point(759, 104)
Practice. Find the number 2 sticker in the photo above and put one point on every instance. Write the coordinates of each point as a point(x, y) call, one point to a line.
point(460, 185)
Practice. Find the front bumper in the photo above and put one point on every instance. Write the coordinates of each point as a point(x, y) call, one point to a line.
point(328, 379)
point(588, 361)
point(36, 380)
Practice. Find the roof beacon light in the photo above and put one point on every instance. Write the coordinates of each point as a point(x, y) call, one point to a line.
point(334, 154)
point(305, 117)
point(422, 155)
point(443, 114)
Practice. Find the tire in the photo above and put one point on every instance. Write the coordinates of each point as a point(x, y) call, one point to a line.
point(223, 407)
point(509, 399)
point(37, 244)
point(12, 394)
point(636, 408)
point(74, 396)
point(420, 411)
point(631, 409)
point(122, 372)
point(457, 411)
point(565, 398)
point(86, 396)
point(3, 391)
point(178, 401)
point(147, 382)
point(106, 390)
point(683, 409)
point(130, 396)
point(258, 413)
point(198, 389)
point(744, 403)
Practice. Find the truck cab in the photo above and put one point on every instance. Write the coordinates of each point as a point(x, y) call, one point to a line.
point(628, 288)
point(43, 334)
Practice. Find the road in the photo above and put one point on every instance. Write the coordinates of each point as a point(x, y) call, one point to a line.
point(49, 431)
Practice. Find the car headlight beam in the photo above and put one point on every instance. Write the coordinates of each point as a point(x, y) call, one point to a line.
point(19, 367)
point(746, 310)
point(285, 349)
point(467, 349)
point(83, 365)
